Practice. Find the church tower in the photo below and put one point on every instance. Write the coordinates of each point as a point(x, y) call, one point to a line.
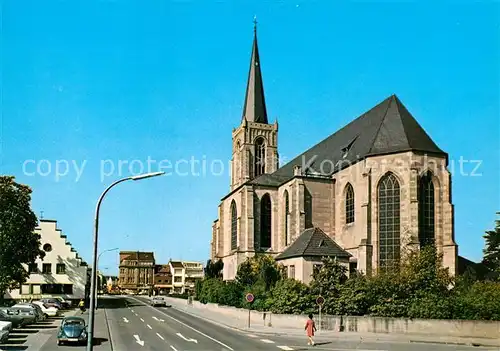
point(255, 141)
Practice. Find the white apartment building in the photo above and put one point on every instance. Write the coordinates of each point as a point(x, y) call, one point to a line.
point(61, 272)
point(184, 275)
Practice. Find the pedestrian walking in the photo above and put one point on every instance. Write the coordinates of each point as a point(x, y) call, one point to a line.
point(310, 329)
point(81, 304)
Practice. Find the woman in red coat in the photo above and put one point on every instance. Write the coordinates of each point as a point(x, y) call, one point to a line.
point(310, 329)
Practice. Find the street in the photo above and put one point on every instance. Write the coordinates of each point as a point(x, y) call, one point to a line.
point(134, 325)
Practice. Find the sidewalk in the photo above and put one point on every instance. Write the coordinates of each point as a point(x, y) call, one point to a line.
point(101, 330)
point(234, 323)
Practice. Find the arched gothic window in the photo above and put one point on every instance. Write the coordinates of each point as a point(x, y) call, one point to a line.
point(389, 221)
point(260, 157)
point(287, 215)
point(265, 221)
point(234, 226)
point(426, 207)
point(349, 204)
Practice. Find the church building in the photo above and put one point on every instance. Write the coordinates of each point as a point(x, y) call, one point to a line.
point(366, 194)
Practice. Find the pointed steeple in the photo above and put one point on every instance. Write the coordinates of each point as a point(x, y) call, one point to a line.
point(254, 109)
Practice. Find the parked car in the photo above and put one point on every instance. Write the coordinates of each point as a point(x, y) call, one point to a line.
point(27, 311)
point(37, 309)
point(4, 336)
point(52, 302)
point(72, 330)
point(5, 326)
point(16, 320)
point(28, 318)
point(158, 301)
point(48, 311)
point(64, 303)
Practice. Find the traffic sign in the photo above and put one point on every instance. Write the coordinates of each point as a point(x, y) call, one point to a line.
point(249, 297)
point(320, 300)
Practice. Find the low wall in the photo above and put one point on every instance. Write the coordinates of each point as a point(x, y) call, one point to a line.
point(429, 327)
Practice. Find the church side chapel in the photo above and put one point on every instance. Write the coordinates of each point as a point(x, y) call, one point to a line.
point(376, 187)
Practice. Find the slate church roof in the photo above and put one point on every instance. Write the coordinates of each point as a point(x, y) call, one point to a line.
point(386, 128)
point(313, 242)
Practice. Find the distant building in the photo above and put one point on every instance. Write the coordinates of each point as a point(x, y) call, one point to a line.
point(61, 272)
point(136, 271)
point(184, 275)
point(193, 271)
point(163, 279)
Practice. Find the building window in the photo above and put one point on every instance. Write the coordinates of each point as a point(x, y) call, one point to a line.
point(47, 247)
point(33, 268)
point(265, 221)
point(177, 279)
point(47, 268)
point(426, 207)
point(56, 289)
point(349, 204)
point(287, 214)
point(234, 226)
point(260, 157)
point(292, 272)
point(61, 268)
point(389, 221)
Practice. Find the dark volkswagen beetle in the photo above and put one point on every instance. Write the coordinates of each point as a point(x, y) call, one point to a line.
point(72, 330)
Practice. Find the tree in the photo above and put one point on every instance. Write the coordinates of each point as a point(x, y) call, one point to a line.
point(491, 250)
point(214, 269)
point(291, 297)
point(19, 244)
point(327, 281)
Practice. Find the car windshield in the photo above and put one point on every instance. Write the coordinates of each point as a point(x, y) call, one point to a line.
point(74, 322)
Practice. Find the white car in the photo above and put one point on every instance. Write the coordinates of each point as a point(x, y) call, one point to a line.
point(5, 326)
point(49, 311)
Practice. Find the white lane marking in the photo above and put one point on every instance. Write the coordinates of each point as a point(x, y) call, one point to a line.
point(187, 326)
point(183, 337)
point(132, 310)
point(136, 314)
point(149, 327)
point(142, 320)
point(155, 318)
point(138, 340)
point(286, 348)
point(173, 348)
point(125, 320)
point(161, 337)
point(267, 341)
point(252, 336)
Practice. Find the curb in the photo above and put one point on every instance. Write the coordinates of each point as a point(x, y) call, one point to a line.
point(109, 331)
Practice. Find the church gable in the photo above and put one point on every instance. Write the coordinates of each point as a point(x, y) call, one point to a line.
point(313, 242)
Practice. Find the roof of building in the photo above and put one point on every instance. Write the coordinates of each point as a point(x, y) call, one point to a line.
point(386, 128)
point(313, 242)
point(162, 268)
point(254, 108)
point(137, 256)
point(177, 264)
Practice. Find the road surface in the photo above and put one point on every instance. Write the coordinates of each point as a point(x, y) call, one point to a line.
point(134, 325)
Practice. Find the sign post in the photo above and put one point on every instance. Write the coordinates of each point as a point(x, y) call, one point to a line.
point(249, 297)
point(320, 301)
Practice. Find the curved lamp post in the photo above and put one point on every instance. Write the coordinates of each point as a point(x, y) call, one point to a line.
point(93, 279)
point(98, 287)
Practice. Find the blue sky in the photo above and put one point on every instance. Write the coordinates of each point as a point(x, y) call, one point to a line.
point(89, 81)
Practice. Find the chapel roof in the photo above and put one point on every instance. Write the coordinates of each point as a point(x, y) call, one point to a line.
point(313, 242)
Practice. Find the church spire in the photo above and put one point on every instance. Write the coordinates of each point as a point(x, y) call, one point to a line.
point(254, 109)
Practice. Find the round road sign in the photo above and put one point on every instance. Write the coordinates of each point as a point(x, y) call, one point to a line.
point(320, 300)
point(249, 297)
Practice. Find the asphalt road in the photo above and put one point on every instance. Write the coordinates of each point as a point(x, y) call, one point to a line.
point(134, 325)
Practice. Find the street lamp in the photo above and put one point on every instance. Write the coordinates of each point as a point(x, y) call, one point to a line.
point(93, 280)
point(97, 265)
